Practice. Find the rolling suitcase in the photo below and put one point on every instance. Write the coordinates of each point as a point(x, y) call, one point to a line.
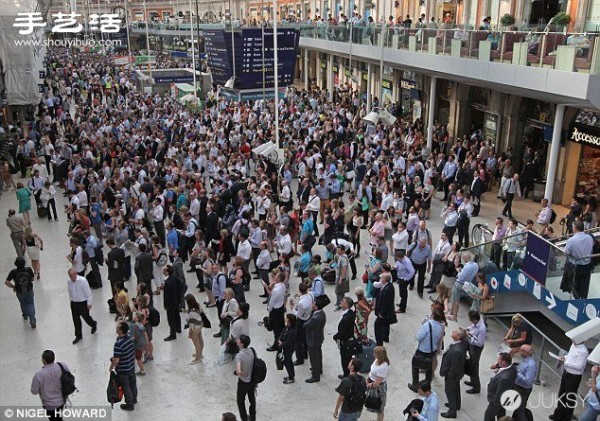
point(42, 212)
point(367, 356)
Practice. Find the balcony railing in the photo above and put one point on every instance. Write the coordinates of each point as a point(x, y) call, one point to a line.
point(566, 51)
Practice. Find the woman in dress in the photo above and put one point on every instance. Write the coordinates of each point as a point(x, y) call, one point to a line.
point(239, 325)
point(194, 321)
point(224, 249)
point(354, 229)
point(361, 322)
point(157, 271)
point(377, 378)
point(451, 263)
point(482, 295)
point(24, 199)
point(373, 271)
point(230, 310)
point(428, 193)
point(34, 244)
point(48, 201)
point(121, 299)
point(377, 230)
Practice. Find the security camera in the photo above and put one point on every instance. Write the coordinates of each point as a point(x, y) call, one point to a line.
point(586, 331)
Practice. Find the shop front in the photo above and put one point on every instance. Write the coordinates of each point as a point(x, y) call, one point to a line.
point(587, 180)
point(410, 97)
point(386, 90)
point(335, 69)
point(490, 127)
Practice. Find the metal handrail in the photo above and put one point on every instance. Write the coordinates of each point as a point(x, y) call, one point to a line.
point(542, 347)
point(493, 241)
point(567, 236)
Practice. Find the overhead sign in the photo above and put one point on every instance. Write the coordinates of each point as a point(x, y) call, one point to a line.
point(584, 134)
point(123, 61)
point(386, 84)
point(537, 256)
point(574, 312)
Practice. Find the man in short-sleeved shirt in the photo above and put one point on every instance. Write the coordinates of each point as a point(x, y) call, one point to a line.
point(244, 361)
point(350, 410)
point(123, 362)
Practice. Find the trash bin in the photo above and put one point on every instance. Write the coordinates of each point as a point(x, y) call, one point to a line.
point(539, 188)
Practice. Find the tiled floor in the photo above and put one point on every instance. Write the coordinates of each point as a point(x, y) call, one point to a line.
point(174, 390)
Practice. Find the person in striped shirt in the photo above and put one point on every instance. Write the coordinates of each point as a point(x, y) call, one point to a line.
point(123, 362)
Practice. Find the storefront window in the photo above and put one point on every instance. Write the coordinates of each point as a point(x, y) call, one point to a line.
point(586, 131)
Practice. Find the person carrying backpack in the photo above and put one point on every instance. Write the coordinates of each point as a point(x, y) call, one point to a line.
point(244, 363)
point(48, 383)
point(20, 280)
point(352, 394)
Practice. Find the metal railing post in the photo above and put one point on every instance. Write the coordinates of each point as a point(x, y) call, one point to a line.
point(539, 367)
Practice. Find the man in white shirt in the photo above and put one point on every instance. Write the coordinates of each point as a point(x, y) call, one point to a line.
point(442, 248)
point(276, 307)
point(574, 363)
point(303, 311)
point(544, 215)
point(400, 238)
point(285, 197)
point(194, 206)
point(158, 214)
point(81, 303)
point(82, 196)
point(284, 243)
point(245, 252)
point(450, 216)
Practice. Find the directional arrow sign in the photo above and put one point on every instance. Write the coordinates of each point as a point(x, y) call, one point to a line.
point(551, 301)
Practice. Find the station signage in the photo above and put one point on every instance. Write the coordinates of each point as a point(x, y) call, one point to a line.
point(584, 134)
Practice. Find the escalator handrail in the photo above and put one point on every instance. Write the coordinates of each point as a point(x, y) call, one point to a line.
point(523, 233)
point(567, 236)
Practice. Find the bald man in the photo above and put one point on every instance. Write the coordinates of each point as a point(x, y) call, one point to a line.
point(526, 371)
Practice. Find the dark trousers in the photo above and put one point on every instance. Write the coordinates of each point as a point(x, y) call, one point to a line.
point(416, 370)
point(436, 274)
point(449, 232)
point(278, 322)
point(382, 331)
point(53, 415)
point(352, 266)
point(174, 321)
point(507, 259)
point(255, 253)
point(159, 228)
point(96, 271)
point(581, 286)
point(508, 205)
point(493, 411)
point(300, 341)
point(128, 383)
point(79, 310)
point(315, 355)
point(463, 231)
point(51, 204)
point(246, 389)
point(496, 254)
point(127, 268)
point(475, 353)
point(288, 363)
point(447, 183)
point(420, 270)
point(519, 414)
point(476, 206)
point(569, 383)
point(403, 290)
point(345, 356)
point(220, 310)
point(315, 215)
point(452, 389)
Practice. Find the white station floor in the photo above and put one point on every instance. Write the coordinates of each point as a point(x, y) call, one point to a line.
point(174, 390)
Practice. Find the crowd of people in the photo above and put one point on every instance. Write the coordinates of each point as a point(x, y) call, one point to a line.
point(158, 193)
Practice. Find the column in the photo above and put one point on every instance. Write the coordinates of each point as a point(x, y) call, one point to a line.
point(369, 85)
point(305, 71)
point(431, 111)
point(319, 74)
point(554, 152)
point(330, 77)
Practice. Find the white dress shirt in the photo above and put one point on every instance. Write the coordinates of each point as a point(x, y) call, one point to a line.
point(442, 248)
point(79, 290)
point(400, 240)
point(576, 359)
point(277, 297)
point(244, 250)
point(303, 309)
point(284, 245)
point(263, 261)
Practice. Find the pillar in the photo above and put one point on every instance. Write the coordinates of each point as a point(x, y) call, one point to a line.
point(369, 85)
point(330, 76)
point(319, 74)
point(305, 71)
point(554, 152)
point(431, 111)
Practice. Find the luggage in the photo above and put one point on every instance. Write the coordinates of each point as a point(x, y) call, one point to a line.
point(42, 212)
point(367, 356)
point(328, 276)
point(92, 281)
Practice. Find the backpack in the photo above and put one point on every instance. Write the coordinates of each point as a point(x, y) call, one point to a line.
point(23, 281)
point(67, 382)
point(259, 370)
point(114, 392)
point(153, 317)
point(163, 259)
point(85, 257)
point(553, 216)
point(357, 394)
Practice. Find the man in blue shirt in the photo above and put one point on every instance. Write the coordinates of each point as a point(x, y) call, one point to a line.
point(431, 405)
point(317, 288)
point(123, 362)
point(92, 247)
point(466, 274)
point(429, 337)
point(591, 410)
point(578, 247)
point(420, 256)
point(477, 332)
point(526, 371)
point(172, 241)
point(405, 272)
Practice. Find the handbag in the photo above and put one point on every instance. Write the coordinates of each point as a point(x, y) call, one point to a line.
point(205, 322)
point(486, 306)
point(421, 360)
point(279, 359)
point(365, 277)
point(354, 346)
point(267, 323)
point(373, 401)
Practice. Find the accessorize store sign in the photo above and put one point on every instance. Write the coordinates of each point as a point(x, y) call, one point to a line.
point(584, 134)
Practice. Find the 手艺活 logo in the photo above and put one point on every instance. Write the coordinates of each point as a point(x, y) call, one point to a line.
point(67, 22)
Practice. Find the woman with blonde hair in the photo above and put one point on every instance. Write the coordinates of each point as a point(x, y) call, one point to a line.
point(363, 310)
point(194, 321)
point(34, 244)
point(376, 381)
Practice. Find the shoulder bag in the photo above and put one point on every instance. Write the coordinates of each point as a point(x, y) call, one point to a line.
point(421, 360)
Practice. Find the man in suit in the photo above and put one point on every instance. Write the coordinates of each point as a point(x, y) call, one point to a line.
point(212, 225)
point(460, 152)
point(315, 335)
point(503, 380)
point(344, 334)
point(477, 189)
point(115, 261)
point(384, 309)
point(453, 370)
point(143, 266)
